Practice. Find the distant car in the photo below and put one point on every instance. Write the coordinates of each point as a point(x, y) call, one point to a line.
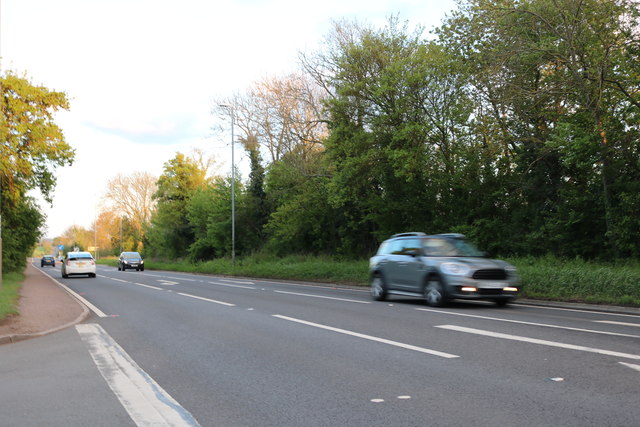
point(61, 258)
point(78, 263)
point(47, 260)
point(439, 268)
point(130, 260)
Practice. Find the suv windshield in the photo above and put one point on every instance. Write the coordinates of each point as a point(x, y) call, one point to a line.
point(437, 246)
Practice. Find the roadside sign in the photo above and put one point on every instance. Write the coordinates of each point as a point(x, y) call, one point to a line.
point(61, 247)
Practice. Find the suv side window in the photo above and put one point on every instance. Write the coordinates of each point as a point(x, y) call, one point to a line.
point(410, 246)
point(439, 247)
point(395, 247)
point(384, 248)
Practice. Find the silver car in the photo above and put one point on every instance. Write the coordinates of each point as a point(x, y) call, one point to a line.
point(439, 268)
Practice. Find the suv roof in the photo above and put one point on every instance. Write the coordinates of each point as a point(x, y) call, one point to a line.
point(421, 234)
point(407, 234)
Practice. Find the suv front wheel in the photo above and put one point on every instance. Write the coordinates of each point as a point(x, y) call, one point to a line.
point(378, 288)
point(434, 292)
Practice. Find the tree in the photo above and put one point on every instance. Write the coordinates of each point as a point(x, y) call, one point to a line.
point(279, 115)
point(132, 197)
point(170, 234)
point(398, 142)
point(32, 146)
point(21, 231)
point(557, 89)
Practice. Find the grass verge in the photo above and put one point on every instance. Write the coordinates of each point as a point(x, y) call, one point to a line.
point(546, 278)
point(10, 294)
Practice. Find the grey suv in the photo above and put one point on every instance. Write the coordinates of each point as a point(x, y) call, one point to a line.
point(439, 268)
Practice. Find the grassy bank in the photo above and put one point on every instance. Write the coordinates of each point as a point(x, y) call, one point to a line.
point(307, 268)
point(545, 278)
point(580, 281)
point(10, 294)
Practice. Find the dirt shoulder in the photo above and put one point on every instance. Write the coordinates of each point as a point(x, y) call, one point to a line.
point(44, 307)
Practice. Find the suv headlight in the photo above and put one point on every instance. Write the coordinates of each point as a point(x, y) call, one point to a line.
point(455, 268)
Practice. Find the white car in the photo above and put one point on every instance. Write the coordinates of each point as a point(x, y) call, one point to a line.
point(78, 263)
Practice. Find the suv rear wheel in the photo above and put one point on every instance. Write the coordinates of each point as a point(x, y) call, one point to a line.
point(378, 288)
point(434, 292)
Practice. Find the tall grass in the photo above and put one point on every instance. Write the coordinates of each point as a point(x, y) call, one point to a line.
point(580, 280)
point(10, 294)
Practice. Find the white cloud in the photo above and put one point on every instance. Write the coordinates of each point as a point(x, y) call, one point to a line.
point(141, 74)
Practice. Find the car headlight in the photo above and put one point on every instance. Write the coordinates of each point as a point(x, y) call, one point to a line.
point(141, 261)
point(125, 261)
point(454, 268)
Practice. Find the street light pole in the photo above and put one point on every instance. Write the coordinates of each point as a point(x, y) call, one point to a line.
point(233, 188)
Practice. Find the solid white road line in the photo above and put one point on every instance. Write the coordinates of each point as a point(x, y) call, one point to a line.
point(369, 337)
point(206, 299)
point(232, 286)
point(538, 341)
point(611, 322)
point(530, 323)
point(146, 402)
point(322, 296)
point(90, 306)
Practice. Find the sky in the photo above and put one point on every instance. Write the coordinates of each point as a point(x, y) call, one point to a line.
point(143, 75)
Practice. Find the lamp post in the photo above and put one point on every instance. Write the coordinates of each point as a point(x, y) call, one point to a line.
point(233, 189)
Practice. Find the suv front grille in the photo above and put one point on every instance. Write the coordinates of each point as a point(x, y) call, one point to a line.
point(493, 274)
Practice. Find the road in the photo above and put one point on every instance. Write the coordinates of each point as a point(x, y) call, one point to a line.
point(181, 349)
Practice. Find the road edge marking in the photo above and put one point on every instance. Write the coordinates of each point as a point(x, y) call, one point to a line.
point(144, 400)
point(84, 301)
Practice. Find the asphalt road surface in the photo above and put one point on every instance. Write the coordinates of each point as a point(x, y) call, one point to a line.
point(164, 348)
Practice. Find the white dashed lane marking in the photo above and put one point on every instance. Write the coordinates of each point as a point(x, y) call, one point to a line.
point(324, 297)
point(369, 337)
point(538, 341)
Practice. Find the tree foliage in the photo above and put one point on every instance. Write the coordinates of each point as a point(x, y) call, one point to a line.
point(516, 125)
point(171, 234)
point(32, 146)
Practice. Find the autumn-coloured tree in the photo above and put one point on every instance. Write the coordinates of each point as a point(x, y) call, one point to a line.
point(280, 115)
point(131, 197)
